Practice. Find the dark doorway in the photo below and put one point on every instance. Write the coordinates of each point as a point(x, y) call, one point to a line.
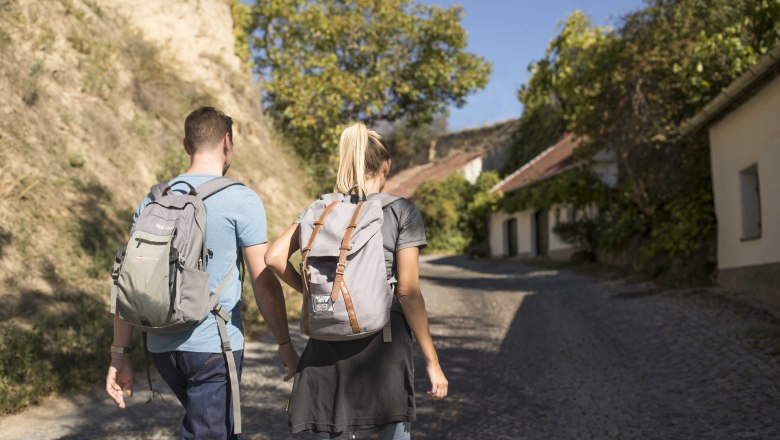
point(542, 238)
point(511, 237)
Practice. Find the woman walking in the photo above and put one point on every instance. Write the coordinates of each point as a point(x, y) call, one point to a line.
point(365, 387)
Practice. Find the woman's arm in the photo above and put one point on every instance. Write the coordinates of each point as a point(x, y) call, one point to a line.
point(270, 300)
point(413, 306)
point(278, 257)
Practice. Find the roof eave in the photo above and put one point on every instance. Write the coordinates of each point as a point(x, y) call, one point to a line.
point(733, 92)
point(543, 178)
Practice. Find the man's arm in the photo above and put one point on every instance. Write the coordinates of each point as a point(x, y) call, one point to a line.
point(120, 372)
point(270, 300)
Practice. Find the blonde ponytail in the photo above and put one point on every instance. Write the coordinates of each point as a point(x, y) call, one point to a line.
point(354, 147)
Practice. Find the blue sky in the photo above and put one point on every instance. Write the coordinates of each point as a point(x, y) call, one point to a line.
point(511, 34)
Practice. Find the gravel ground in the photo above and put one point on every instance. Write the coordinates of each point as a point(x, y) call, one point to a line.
point(530, 354)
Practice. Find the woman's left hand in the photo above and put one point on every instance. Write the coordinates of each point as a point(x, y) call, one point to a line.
point(439, 382)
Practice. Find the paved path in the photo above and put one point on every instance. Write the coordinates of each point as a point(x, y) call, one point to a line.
point(530, 354)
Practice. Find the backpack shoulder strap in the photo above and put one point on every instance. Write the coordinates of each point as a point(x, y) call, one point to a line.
point(157, 190)
point(214, 186)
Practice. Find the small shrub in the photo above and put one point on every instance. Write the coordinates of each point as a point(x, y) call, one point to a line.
point(96, 9)
point(5, 37)
point(174, 162)
point(25, 374)
point(63, 350)
point(47, 39)
point(97, 66)
point(5, 239)
point(76, 160)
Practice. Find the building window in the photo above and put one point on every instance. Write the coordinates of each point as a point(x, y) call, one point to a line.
point(751, 202)
point(557, 216)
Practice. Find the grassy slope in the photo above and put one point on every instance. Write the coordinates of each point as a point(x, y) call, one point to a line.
point(90, 116)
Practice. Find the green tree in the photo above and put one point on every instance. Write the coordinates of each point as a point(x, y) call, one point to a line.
point(324, 63)
point(442, 205)
point(629, 89)
point(456, 212)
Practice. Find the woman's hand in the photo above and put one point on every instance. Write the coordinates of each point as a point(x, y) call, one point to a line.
point(289, 358)
point(120, 377)
point(439, 383)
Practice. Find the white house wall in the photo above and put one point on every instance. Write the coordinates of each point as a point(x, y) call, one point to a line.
point(472, 170)
point(498, 238)
point(526, 238)
point(748, 135)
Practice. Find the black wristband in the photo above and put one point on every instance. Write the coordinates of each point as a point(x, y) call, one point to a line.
point(283, 343)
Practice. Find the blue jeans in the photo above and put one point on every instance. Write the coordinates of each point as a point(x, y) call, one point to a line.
point(394, 431)
point(200, 382)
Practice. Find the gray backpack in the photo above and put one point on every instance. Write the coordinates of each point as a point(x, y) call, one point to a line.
point(346, 291)
point(160, 282)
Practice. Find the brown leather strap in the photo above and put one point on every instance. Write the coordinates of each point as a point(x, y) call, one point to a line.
point(304, 271)
point(350, 309)
point(341, 266)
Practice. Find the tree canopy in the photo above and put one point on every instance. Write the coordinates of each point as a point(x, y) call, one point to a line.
point(629, 89)
point(324, 63)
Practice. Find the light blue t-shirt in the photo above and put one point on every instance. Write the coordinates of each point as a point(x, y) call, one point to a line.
point(235, 218)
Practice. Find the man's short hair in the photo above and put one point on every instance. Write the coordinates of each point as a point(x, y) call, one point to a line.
point(205, 127)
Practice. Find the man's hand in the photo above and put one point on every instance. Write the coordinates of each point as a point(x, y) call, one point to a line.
point(120, 377)
point(289, 358)
point(439, 383)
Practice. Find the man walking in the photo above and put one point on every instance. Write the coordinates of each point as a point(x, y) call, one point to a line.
point(192, 362)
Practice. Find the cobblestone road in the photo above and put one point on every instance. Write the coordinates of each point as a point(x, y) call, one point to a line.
point(530, 354)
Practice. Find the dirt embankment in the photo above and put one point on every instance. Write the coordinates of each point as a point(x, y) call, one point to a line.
point(93, 94)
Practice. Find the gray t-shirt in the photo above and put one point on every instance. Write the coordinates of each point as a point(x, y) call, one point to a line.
point(402, 228)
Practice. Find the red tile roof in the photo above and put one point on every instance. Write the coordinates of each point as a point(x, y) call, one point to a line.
point(547, 164)
point(406, 182)
point(454, 151)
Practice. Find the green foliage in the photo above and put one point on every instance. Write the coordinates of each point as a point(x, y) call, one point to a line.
point(578, 187)
point(242, 26)
point(539, 128)
point(97, 64)
point(325, 63)
point(24, 378)
point(442, 205)
point(76, 160)
point(629, 89)
point(174, 162)
point(478, 209)
point(455, 212)
point(5, 37)
point(60, 351)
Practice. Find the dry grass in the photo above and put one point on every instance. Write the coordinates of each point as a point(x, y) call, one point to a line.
point(90, 117)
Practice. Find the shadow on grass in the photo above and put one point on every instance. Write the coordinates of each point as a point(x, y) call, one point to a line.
point(53, 343)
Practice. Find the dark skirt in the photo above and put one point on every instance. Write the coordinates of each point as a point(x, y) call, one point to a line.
point(354, 386)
